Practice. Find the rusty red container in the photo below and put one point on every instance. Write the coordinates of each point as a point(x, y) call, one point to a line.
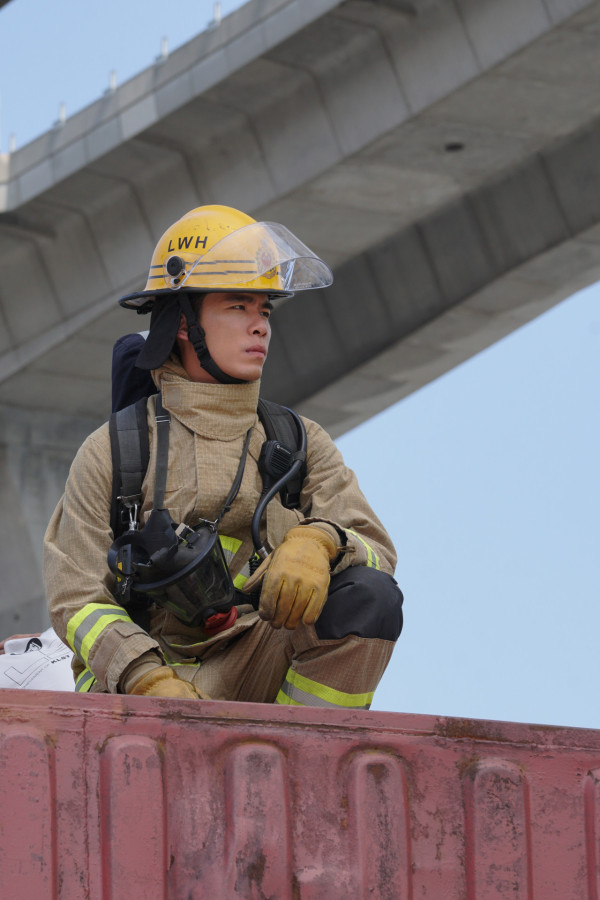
point(126, 798)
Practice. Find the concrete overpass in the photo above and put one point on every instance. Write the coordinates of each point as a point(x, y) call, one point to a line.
point(442, 155)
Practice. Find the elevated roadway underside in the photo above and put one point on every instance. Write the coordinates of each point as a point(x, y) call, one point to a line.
point(442, 155)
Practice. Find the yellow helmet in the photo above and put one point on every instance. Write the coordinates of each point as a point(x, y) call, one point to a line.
point(217, 248)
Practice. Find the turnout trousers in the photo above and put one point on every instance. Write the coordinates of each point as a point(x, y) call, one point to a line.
point(338, 662)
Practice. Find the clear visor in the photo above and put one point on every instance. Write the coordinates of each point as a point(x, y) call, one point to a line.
point(262, 256)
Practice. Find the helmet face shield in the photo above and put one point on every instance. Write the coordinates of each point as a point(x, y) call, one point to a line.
point(220, 249)
point(263, 256)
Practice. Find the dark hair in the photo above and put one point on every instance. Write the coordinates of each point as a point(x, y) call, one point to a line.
point(197, 303)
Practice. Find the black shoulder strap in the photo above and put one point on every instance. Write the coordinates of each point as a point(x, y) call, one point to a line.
point(130, 451)
point(279, 425)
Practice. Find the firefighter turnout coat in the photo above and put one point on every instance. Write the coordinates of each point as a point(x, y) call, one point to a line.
point(209, 423)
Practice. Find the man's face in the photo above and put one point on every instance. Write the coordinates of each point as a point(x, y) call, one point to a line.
point(238, 332)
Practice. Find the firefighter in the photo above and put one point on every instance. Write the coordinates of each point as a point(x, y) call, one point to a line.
point(180, 609)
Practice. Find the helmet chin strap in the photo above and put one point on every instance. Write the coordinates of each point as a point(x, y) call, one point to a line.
point(197, 337)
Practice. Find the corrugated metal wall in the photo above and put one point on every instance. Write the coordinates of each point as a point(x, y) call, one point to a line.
point(119, 798)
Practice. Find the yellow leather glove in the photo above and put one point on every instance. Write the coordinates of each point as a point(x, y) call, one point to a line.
point(295, 578)
point(163, 682)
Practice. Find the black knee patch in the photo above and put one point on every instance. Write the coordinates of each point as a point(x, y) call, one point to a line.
point(364, 602)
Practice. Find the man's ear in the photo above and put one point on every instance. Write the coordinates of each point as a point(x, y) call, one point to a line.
point(182, 333)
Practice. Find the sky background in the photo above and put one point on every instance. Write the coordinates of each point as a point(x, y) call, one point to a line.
point(486, 479)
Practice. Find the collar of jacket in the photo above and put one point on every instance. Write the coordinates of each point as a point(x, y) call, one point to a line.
point(219, 411)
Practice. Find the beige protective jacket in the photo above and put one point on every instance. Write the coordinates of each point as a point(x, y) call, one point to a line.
point(208, 427)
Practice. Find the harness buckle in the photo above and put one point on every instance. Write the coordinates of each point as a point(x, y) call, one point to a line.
point(132, 505)
point(133, 517)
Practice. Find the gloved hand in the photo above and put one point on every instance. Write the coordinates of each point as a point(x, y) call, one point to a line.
point(163, 682)
point(295, 578)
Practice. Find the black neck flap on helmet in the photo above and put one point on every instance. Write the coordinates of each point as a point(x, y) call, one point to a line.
point(164, 325)
point(197, 337)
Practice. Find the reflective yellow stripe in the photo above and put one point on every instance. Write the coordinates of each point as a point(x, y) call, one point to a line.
point(171, 662)
point(230, 543)
point(372, 558)
point(89, 622)
point(84, 681)
point(297, 690)
point(93, 633)
point(230, 547)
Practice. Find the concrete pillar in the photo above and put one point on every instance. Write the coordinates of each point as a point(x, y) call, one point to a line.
point(36, 450)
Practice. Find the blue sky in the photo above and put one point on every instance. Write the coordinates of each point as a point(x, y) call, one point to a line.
point(486, 478)
point(492, 498)
point(63, 51)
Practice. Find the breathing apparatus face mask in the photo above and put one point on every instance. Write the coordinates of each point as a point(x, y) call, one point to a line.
point(180, 568)
point(175, 566)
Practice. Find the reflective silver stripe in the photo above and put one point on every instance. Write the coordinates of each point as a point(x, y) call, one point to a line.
point(302, 697)
point(84, 681)
point(305, 699)
point(229, 546)
point(242, 576)
point(92, 619)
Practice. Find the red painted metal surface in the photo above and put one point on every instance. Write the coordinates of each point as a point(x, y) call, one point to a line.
point(126, 798)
